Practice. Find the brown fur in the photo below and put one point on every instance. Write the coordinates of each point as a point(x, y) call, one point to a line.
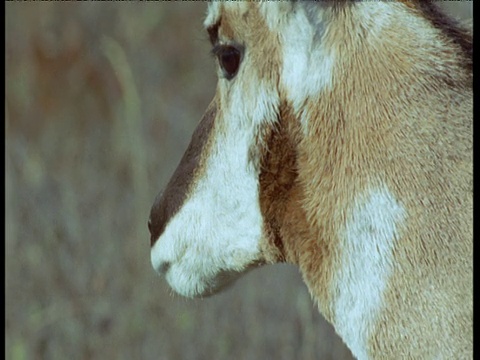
point(399, 113)
point(415, 136)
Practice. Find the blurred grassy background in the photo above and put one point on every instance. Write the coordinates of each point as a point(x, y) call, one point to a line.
point(101, 101)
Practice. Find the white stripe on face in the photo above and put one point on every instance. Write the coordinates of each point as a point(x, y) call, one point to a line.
point(217, 232)
point(307, 66)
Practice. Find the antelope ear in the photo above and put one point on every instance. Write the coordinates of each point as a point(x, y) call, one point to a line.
point(280, 12)
point(315, 11)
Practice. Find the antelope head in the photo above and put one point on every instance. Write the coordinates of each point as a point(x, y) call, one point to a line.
point(339, 139)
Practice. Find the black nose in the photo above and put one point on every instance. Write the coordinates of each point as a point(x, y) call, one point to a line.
point(150, 228)
point(157, 219)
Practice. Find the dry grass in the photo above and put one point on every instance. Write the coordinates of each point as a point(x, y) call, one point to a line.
point(101, 100)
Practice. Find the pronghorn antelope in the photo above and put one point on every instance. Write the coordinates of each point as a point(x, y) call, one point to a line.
point(340, 140)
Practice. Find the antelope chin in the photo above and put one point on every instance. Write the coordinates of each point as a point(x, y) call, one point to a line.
point(196, 285)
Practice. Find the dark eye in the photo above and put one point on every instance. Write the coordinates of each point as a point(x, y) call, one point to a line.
point(229, 59)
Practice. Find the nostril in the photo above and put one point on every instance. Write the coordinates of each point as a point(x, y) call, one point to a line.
point(159, 216)
point(150, 226)
point(151, 230)
point(164, 267)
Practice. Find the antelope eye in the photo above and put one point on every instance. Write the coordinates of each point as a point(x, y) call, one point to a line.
point(229, 59)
